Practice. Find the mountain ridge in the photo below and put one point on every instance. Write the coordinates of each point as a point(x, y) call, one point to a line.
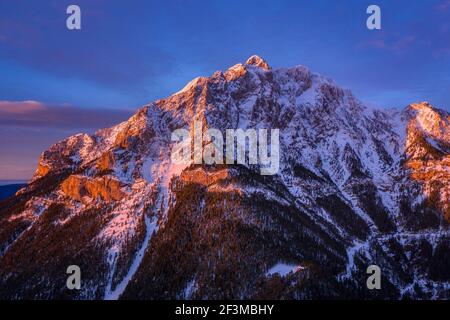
point(356, 187)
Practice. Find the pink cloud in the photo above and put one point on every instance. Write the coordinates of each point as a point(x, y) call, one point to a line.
point(35, 114)
point(20, 107)
point(29, 127)
point(18, 34)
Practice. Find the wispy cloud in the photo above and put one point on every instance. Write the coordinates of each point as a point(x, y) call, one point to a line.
point(36, 114)
point(396, 45)
point(21, 107)
point(29, 127)
point(443, 6)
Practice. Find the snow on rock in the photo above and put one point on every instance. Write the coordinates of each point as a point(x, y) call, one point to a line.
point(379, 167)
point(151, 227)
point(258, 61)
point(284, 269)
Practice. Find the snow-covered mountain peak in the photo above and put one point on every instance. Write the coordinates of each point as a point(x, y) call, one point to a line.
point(258, 62)
point(354, 188)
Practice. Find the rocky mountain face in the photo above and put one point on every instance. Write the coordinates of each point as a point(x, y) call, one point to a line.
point(356, 187)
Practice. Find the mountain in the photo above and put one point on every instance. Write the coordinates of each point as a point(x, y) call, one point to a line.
point(356, 186)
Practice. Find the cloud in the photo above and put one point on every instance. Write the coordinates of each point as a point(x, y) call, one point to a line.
point(29, 127)
point(443, 6)
point(20, 107)
point(34, 114)
point(21, 147)
point(396, 45)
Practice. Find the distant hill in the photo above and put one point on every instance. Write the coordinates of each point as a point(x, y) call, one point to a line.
point(9, 190)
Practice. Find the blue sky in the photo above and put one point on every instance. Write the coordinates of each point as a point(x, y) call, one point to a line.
point(131, 52)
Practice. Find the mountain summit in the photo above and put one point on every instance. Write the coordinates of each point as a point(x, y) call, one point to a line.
point(356, 187)
point(258, 61)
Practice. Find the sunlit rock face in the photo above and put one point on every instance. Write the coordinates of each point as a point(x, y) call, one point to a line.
point(258, 62)
point(105, 188)
point(428, 154)
point(357, 186)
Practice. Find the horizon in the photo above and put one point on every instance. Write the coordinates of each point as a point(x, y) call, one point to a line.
point(58, 82)
point(9, 182)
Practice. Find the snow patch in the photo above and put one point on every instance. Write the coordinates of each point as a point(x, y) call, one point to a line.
point(284, 269)
point(151, 227)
